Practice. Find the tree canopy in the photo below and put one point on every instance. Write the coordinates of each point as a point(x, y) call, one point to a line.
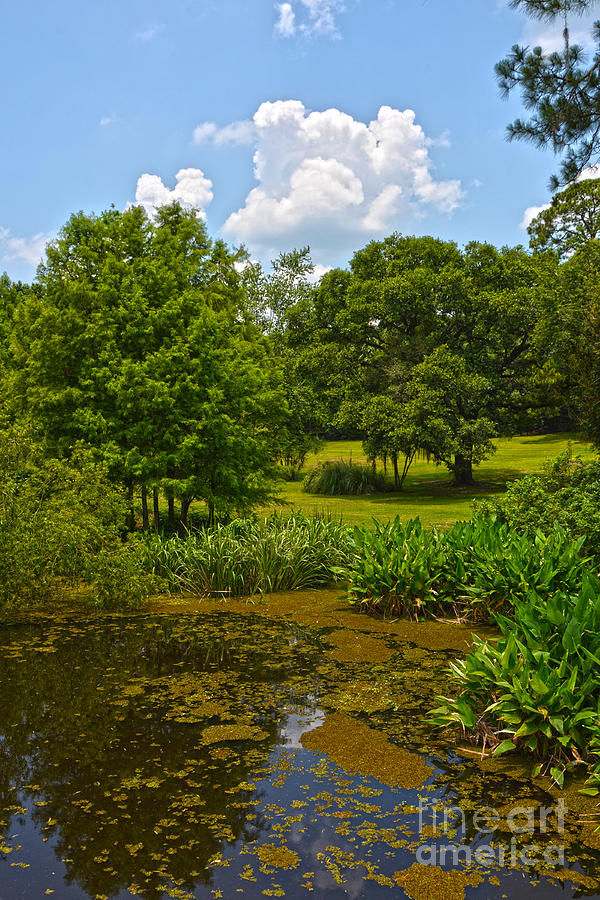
point(140, 346)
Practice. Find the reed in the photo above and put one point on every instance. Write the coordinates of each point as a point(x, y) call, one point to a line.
point(250, 557)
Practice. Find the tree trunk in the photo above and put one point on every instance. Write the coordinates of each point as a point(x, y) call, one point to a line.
point(397, 482)
point(185, 507)
point(156, 509)
point(145, 515)
point(131, 513)
point(211, 515)
point(463, 470)
point(171, 511)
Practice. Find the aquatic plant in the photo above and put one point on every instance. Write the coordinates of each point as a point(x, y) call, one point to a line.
point(537, 689)
point(248, 557)
point(341, 477)
point(475, 569)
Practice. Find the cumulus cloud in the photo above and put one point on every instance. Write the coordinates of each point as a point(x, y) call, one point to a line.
point(29, 250)
point(308, 17)
point(192, 189)
point(242, 132)
point(328, 180)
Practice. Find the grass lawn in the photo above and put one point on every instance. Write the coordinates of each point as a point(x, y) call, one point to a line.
point(427, 491)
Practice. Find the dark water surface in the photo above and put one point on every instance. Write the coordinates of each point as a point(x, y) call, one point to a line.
point(162, 757)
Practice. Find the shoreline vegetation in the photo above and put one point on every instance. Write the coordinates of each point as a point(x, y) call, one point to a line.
point(532, 688)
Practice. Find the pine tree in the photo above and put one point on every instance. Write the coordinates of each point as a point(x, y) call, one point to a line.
point(562, 90)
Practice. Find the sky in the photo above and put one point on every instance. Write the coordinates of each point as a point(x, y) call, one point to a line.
point(326, 123)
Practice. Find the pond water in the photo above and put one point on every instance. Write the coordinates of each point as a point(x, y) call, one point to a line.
point(233, 752)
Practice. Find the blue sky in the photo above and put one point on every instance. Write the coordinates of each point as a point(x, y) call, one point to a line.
point(289, 123)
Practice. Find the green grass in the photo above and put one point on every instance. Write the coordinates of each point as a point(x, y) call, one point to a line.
point(428, 492)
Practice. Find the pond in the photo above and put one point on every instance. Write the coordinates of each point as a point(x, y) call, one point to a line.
point(271, 750)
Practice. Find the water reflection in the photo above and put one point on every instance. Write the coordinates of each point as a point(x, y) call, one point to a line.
point(162, 757)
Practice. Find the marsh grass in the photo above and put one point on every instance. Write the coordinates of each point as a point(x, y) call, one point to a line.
point(249, 557)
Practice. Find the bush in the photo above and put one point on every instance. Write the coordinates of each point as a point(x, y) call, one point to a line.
point(248, 557)
point(537, 689)
point(567, 492)
point(336, 478)
point(60, 523)
point(475, 569)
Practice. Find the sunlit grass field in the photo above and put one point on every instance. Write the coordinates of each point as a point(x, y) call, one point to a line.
point(428, 492)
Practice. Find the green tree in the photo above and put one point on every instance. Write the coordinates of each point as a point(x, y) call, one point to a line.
point(140, 347)
point(445, 413)
point(403, 298)
point(569, 333)
point(390, 434)
point(276, 299)
point(561, 88)
point(572, 219)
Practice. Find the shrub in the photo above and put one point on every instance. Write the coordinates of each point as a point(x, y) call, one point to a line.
point(60, 521)
point(538, 688)
point(567, 492)
point(335, 478)
point(248, 557)
point(475, 569)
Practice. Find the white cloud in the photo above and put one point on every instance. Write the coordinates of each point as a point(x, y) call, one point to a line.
point(309, 17)
point(23, 250)
point(243, 132)
point(108, 120)
point(317, 273)
point(328, 180)
point(286, 24)
point(204, 132)
point(148, 34)
point(549, 35)
point(193, 190)
point(321, 15)
point(532, 211)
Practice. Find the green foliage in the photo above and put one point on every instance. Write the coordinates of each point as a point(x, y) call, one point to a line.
point(537, 689)
point(343, 478)
point(566, 493)
point(364, 335)
point(561, 88)
point(60, 524)
point(443, 417)
point(140, 346)
point(474, 570)
point(248, 557)
point(570, 222)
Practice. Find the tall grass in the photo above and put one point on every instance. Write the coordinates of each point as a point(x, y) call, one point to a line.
point(249, 557)
point(343, 478)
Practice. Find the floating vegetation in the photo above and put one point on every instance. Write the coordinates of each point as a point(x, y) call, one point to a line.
point(364, 751)
point(270, 749)
point(215, 734)
point(278, 857)
point(354, 646)
point(422, 882)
